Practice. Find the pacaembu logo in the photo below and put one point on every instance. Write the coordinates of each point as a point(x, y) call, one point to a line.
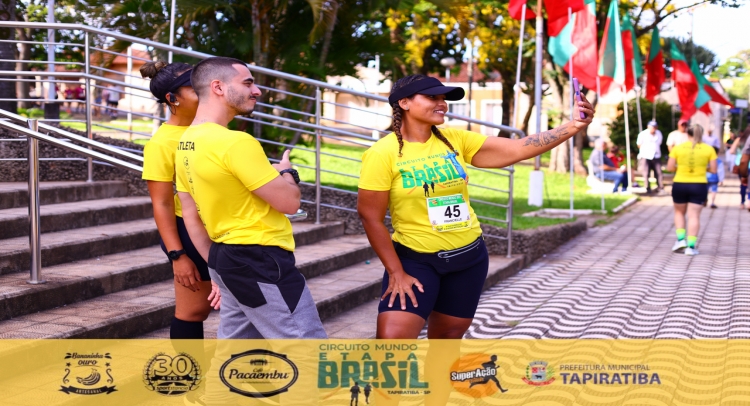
point(259, 373)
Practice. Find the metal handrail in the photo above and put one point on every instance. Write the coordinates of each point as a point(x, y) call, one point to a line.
point(73, 147)
point(253, 68)
point(308, 123)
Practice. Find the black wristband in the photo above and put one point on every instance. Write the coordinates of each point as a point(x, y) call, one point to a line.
point(293, 172)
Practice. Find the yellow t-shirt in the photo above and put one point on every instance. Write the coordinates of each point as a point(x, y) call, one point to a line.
point(222, 169)
point(692, 162)
point(423, 178)
point(158, 157)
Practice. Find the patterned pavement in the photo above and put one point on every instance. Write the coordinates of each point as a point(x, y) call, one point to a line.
point(621, 280)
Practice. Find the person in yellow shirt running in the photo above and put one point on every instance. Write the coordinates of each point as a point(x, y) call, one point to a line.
point(690, 188)
point(437, 256)
point(241, 199)
point(170, 84)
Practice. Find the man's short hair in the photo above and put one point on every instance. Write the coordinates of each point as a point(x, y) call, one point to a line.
point(210, 69)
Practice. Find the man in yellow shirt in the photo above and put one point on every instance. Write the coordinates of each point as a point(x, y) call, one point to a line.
point(225, 177)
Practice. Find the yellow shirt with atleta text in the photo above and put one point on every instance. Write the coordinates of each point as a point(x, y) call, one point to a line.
point(692, 162)
point(425, 189)
point(158, 157)
point(221, 168)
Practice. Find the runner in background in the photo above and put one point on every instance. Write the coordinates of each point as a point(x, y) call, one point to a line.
point(689, 188)
point(437, 257)
point(170, 84)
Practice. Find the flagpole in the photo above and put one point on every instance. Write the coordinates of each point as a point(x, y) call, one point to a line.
point(517, 87)
point(572, 107)
point(627, 136)
point(637, 89)
point(536, 178)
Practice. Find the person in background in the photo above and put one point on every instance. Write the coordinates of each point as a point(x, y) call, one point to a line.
point(605, 169)
point(678, 136)
point(649, 151)
point(615, 155)
point(729, 154)
point(114, 94)
point(714, 179)
point(738, 146)
point(744, 161)
point(689, 189)
point(170, 84)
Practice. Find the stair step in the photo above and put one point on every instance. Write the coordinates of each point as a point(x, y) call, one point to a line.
point(334, 293)
point(73, 282)
point(16, 194)
point(74, 245)
point(66, 216)
point(360, 322)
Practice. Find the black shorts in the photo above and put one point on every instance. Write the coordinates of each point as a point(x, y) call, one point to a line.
point(452, 280)
point(190, 250)
point(689, 193)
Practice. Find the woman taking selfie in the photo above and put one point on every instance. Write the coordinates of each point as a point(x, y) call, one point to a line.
point(436, 263)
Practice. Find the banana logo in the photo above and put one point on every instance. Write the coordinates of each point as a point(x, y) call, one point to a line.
point(90, 380)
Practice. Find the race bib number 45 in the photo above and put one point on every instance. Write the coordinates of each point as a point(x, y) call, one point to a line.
point(448, 213)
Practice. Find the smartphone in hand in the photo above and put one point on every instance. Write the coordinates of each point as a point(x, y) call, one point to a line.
point(577, 92)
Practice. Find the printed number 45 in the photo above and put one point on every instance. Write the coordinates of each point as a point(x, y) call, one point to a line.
point(452, 211)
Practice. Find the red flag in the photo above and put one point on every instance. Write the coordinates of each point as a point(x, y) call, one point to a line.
point(584, 39)
point(685, 82)
point(705, 109)
point(655, 67)
point(716, 96)
point(557, 14)
point(633, 68)
point(515, 7)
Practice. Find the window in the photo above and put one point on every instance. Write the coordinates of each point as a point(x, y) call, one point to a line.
point(493, 113)
point(459, 108)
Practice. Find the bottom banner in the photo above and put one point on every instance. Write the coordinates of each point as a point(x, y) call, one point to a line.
point(375, 372)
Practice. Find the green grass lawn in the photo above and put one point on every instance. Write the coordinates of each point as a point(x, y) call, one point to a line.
point(138, 125)
point(557, 186)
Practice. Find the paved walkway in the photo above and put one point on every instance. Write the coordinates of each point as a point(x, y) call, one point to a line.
point(622, 281)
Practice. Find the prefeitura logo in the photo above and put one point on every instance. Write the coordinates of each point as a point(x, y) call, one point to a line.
point(88, 374)
point(172, 376)
point(259, 373)
point(539, 373)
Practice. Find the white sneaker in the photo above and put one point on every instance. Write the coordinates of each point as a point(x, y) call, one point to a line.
point(691, 251)
point(679, 245)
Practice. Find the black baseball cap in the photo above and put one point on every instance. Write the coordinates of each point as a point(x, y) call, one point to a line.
point(428, 86)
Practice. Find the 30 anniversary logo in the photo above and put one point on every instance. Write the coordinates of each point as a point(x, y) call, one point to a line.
point(88, 374)
point(172, 376)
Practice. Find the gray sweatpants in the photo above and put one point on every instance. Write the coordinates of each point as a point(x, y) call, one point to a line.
point(264, 297)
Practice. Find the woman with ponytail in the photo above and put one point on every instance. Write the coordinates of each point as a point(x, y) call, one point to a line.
point(436, 263)
point(194, 296)
point(692, 159)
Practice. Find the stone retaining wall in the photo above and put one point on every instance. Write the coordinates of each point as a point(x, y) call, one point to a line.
point(531, 243)
point(18, 171)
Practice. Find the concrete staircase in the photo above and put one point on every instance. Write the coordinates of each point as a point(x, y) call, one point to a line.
point(108, 278)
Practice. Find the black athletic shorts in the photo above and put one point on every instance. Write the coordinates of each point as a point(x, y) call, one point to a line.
point(190, 250)
point(689, 193)
point(452, 280)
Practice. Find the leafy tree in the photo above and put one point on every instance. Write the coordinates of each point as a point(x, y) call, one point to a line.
point(706, 59)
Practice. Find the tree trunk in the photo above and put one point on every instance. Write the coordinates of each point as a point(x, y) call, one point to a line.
point(327, 37)
point(8, 52)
